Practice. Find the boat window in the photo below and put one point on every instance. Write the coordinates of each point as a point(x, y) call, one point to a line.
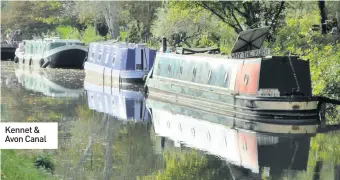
point(193, 132)
point(209, 75)
point(99, 55)
point(107, 56)
point(244, 146)
point(180, 127)
point(194, 72)
point(246, 79)
point(181, 69)
point(226, 78)
point(169, 68)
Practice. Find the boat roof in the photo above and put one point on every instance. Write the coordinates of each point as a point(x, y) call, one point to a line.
point(54, 40)
point(120, 44)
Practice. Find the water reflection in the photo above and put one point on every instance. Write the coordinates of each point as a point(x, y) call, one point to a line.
point(125, 104)
point(247, 153)
point(54, 83)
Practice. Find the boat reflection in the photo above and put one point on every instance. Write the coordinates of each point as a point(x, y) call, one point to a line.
point(123, 103)
point(248, 153)
point(56, 83)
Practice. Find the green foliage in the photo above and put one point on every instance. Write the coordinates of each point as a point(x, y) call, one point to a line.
point(68, 32)
point(89, 35)
point(323, 52)
point(190, 165)
point(16, 165)
point(133, 35)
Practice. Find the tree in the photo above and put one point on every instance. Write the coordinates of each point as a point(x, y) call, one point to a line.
point(143, 13)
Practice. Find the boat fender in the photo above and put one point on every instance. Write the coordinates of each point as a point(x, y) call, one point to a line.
point(146, 90)
point(16, 59)
point(41, 62)
point(45, 64)
point(144, 77)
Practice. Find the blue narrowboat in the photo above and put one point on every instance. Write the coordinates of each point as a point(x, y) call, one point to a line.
point(119, 62)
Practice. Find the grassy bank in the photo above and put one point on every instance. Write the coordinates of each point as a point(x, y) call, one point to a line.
point(20, 166)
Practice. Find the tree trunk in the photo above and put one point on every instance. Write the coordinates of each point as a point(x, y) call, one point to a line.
point(323, 15)
point(111, 19)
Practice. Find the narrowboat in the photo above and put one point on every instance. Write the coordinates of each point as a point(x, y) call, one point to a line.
point(52, 53)
point(119, 62)
point(54, 84)
point(123, 103)
point(248, 84)
point(247, 153)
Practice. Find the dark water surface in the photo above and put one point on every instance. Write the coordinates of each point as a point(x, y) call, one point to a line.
point(112, 135)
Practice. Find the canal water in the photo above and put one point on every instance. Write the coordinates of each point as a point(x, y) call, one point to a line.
point(121, 139)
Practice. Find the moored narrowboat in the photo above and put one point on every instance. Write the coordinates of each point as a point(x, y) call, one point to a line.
point(52, 53)
point(119, 62)
point(247, 84)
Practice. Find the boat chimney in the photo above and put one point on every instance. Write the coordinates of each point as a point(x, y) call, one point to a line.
point(164, 44)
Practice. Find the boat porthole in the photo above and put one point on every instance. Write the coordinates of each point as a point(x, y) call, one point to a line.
point(194, 72)
point(169, 68)
point(100, 57)
point(209, 75)
point(246, 79)
point(168, 124)
point(181, 69)
point(180, 127)
point(114, 58)
point(226, 76)
point(244, 146)
point(159, 67)
point(193, 132)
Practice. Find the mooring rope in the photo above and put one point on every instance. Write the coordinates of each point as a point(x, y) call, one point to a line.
point(294, 74)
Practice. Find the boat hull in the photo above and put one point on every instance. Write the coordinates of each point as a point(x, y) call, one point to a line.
point(108, 76)
point(228, 119)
